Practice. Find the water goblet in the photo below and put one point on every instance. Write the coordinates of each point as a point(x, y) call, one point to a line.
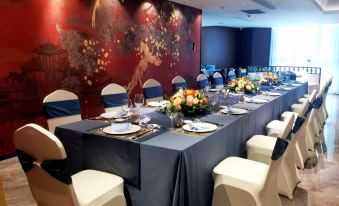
point(171, 113)
point(127, 105)
point(139, 101)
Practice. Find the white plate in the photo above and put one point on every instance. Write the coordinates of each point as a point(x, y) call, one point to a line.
point(113, 115)
point(212, 90)
point(233, 110)
point(287, 88)
point(259, 101)
point(157, 104)
point(273, 94)
point(201, 127)
point(134, 128)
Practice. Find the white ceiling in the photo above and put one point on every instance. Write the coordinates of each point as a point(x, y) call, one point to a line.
point(287, 12)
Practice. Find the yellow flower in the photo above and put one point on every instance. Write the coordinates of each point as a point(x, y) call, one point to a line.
point(177, 101)
point(248, 87)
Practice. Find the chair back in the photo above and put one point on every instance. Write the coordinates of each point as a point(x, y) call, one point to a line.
point(231, 74)
point(202, 81)
point(306, 105)
point(276, 161)
point(113, 96)
point(152, 91)
point(218, 81)
point(61, 107)
point(42, 156)
point(178, 82)
point(289, 121)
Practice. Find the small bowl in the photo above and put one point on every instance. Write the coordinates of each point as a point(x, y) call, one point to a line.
point(121, 127)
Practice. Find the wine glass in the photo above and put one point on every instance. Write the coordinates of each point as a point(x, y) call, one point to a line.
point(126, 105)
point(171, 113)
point(214, 103)
point(139, 101)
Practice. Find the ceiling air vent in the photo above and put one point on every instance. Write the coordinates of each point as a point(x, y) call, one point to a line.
point(265, 4)
point(253, 11)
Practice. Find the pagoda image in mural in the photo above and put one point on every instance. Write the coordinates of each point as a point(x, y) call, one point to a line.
point(34, 79)
point(50, 61)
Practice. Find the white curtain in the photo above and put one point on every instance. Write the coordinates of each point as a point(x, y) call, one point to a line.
point(314, 46)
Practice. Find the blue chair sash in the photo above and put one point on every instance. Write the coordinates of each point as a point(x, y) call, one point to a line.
point(297, 124)
point(318, 102)
point(176, 86)
point(279, 148)
point(61, 108)
point(153, 92)
point(113, 100)
point(231, 76)
point(56, 168)
point(218, 81)
point(310, 107)
point(293, 76)
point(203, 83)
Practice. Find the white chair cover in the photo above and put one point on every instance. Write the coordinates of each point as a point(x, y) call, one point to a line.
point(61, 107)
point(202, 81)
point(260, 148)
point(218, 81)
point(178, 82)
point(42, 156)
point(240, 182)
point(152, 91)
point(113, 96)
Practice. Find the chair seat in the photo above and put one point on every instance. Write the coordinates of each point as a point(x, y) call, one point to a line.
point(286, 114)
point(261, 147)
point(96, 188)
point(236, 169)
point(302, 100)
point(297, 108)
point(274, 127)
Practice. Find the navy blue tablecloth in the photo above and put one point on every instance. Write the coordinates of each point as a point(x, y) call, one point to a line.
point(173, 168)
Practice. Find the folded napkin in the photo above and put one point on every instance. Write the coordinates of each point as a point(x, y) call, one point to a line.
point(118, 115)
point(197, 127)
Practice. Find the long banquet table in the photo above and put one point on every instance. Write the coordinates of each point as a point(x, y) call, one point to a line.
point(170, 168)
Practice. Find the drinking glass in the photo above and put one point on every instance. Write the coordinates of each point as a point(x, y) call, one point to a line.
point(171, 113)
point(214, 103)
point(127, 105)
point(241, 94)
point(139, 100)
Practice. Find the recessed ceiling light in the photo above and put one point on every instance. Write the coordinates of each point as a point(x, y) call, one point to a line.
point(222, 7)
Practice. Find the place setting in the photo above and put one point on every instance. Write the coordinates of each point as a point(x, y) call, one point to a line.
point(127, 124)
point(228, 110)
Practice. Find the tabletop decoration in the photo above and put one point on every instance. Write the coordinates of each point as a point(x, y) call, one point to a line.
point(189, 102)
point(242, 85)
point(270, 78)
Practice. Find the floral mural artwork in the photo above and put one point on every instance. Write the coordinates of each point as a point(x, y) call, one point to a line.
point(82, 46)
point(147, 57)
point(156, 37)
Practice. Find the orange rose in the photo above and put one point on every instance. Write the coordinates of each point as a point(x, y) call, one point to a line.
point(189, 92)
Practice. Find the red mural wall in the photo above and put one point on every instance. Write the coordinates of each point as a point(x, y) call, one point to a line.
point(83, 45)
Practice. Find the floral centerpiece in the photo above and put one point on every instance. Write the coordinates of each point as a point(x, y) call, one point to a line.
point(270, 78)
point(242, 84)
point(189, 102)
